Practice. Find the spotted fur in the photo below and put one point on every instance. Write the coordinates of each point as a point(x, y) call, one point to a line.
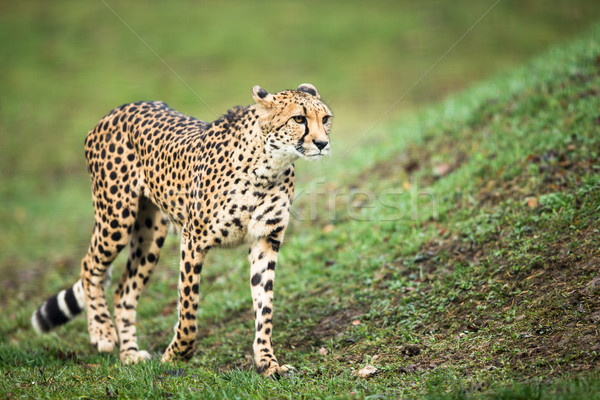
point(222, 183)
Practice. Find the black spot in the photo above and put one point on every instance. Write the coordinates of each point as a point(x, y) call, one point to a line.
point(271, 265)
point(269, 286)
point(116, 236)
point(266, 311)
point(274, 244)
point(255, 279)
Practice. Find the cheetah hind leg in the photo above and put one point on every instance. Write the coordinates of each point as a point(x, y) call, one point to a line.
point(103, 337)
point(106, 243)
point(147, 238)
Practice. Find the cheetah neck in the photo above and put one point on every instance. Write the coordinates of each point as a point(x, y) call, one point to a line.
point(269, 164)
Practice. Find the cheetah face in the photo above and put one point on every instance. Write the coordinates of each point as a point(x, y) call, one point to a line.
point(295, 123)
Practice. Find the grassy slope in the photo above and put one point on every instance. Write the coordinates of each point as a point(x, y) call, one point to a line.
point(489, 290)
point(66, 63)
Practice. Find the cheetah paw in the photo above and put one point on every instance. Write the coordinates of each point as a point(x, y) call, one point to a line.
point(104, 341)
point(278, 371)
point(167, 357)
point(134, 356)
point(105, 345)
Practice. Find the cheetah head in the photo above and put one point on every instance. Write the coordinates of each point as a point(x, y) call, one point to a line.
point(294, 123)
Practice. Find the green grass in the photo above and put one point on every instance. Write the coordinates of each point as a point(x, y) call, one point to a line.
point(67, 63)
point(455, 250)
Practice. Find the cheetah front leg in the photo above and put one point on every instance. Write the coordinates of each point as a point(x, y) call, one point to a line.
point(263, 257)
point(182, 345)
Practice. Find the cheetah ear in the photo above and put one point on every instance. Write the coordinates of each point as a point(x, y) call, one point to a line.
point(310, 89)
point(262, 97)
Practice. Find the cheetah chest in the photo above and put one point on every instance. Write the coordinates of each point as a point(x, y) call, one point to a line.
point(241, 214)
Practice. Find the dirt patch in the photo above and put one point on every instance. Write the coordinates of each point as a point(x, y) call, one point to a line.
point(542, 308)
point(560, 170)
point(335, 324)
point(431, 161)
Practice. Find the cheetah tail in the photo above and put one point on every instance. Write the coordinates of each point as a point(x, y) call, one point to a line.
point(59, 309)
point(62, 307)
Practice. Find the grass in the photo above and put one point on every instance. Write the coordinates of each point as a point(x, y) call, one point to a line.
point(67, 63)
point(456, 253)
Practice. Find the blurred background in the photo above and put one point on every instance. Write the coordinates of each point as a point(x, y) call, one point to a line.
point(65, 64)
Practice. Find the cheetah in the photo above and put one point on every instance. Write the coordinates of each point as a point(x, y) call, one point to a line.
point(222, 184)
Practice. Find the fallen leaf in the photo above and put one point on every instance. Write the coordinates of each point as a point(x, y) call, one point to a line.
point(367, 371)
point(327, 228)
point(441, 169)
point(356, 322)
point(532, 202)
point(323, 351)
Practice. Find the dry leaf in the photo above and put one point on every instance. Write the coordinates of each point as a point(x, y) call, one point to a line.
point(532, 202)
point(367, 371)
point(356, 322)
point(441, 169)
point(323, 351)
point(327, 228)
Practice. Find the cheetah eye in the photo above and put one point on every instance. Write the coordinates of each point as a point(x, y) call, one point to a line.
point(326, 119)
point(300, 119)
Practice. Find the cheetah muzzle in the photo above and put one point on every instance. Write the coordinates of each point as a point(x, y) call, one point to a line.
point(222, 183)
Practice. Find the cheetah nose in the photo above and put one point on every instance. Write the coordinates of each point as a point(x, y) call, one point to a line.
point(320, 144)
